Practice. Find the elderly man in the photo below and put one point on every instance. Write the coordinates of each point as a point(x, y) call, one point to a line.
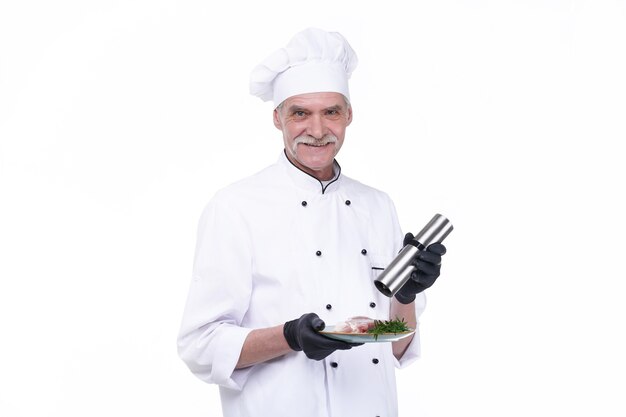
point(296, 246)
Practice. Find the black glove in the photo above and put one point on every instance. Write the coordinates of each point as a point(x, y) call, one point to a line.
point(428, 264)
point(302, 334)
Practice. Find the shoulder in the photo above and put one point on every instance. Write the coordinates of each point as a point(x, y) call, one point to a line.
point(249, 186)
point(258, 191)
point(378, 209)
point(371, 202)
point(365, 191)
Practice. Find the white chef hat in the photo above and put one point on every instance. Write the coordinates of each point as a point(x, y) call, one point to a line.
point(313, 61)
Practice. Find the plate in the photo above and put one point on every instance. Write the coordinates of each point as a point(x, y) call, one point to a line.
point(329, 331)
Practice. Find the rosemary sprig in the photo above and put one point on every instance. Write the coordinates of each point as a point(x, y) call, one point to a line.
point(388, 326)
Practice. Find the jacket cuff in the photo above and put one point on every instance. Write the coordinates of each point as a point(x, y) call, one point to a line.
point(230, 340)
point(414, 351)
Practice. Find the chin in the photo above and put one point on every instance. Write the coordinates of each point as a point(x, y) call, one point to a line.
point(317, 163)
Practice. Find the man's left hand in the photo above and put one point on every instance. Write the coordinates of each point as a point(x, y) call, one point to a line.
point(428, 268)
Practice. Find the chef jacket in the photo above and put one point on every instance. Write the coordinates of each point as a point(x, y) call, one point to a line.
point(273, 247)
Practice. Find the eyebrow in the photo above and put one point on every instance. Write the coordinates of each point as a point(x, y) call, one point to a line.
point(294, 108)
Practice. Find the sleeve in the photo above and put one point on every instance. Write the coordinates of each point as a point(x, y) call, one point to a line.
point(210, 337)
point(413, 351)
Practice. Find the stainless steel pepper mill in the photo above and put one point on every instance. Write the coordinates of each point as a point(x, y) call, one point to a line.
point(400, 269)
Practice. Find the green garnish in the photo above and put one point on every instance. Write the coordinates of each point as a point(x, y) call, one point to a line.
point(388, 326)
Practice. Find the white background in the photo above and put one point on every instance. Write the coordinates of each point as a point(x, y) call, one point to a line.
point(120, 119)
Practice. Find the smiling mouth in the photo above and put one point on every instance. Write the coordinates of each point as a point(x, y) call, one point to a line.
point(317, 144)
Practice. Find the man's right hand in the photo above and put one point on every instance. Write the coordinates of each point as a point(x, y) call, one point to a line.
point(302, 335)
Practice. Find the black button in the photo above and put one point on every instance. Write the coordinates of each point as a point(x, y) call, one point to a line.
point(334, 364)
point(372, 304)
point(318, 253)
point(374, 361)
point(304, 203)
point(328, 306)
point(348, 202)
point(364, 251)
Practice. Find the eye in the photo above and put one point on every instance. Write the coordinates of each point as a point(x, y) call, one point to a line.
point(333, 113)
point(299, 114)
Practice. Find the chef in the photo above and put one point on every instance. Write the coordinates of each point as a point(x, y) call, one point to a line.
point(297, 246)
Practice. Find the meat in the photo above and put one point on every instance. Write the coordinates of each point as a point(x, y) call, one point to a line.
point(359, 324)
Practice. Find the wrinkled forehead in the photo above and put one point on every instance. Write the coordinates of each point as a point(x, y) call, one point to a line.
point(316, 101)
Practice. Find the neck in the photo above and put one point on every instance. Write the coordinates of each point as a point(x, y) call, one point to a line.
point(324, 174)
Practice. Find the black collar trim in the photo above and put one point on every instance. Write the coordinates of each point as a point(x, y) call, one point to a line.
point(324, 187)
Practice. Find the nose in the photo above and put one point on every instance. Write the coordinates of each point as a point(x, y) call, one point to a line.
point(316, 127)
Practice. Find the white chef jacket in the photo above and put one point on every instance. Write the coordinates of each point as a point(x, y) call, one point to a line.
point(273, 247)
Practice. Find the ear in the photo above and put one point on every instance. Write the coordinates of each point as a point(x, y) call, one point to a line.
point(277, 121)
point(349, 116)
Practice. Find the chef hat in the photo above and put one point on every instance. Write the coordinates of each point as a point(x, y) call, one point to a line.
point(313, 61)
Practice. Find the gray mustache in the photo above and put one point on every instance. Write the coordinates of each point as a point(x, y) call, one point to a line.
point(310, 140)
